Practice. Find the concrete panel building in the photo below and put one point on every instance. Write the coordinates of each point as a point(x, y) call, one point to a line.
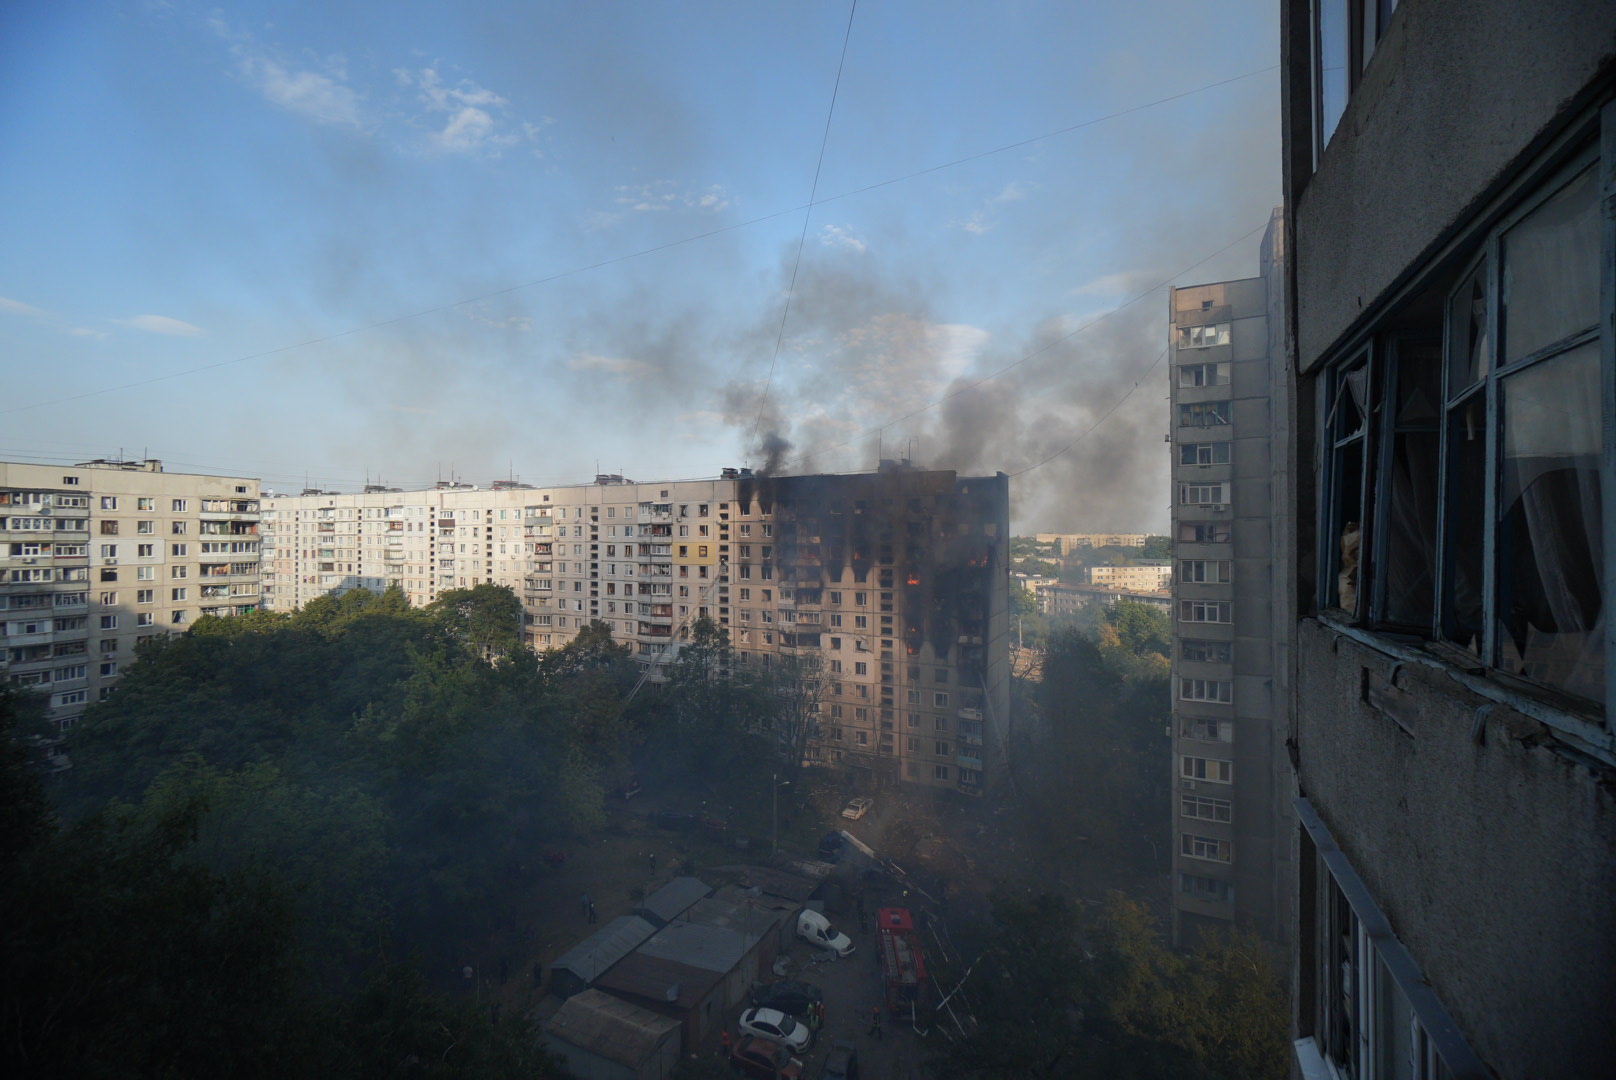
point(1450, 184)
point(1229, 453)
point(96, 557)
point(895, 583)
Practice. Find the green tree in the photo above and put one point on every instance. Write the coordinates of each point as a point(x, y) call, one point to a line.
point(487, 619)
point(1090, 991)
point(1157, 547)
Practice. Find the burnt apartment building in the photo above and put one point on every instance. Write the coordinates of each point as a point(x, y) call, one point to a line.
point(891, 585)
point(1228, 408)
point(1450, 182)
point(898, 582)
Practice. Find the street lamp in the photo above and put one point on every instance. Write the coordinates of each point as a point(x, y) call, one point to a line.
point(775, 784)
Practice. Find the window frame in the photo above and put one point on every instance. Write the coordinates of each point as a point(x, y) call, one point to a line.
point(1389, 347)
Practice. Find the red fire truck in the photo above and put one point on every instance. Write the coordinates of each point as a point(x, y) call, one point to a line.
point(903, 968)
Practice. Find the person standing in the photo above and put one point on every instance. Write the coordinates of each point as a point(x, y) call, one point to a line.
point(723, 1043)
point(591, 913)
point(875, 1022)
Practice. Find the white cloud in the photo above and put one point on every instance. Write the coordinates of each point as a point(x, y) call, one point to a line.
point(616, 365)
point(842, 236)
point(472, 116)
point(17, 307)
point(665, 195)
point(162, 324)
point(985, 218)
point(324, 98)
point(1121, 283)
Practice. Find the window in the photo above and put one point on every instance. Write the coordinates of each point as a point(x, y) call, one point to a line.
point(1370, 1006)
point(1199, 768)
point(1208, 730)
point(146, 528)
point(109, 599)
point(860, 668)
point(109, 622)
point(939, 772)
point(939, 700)
point(145, 551)
point(145, 618)
point(1205, 374)
point(178, 618)
point(1206, 690)
point(145, 504)
point(1202, 494)
point(1204, 652)
point(179, 506)
point(1204, 414)
point(1204, 847)
point(145, 596)
point(1203, 337)
point(1199, 806)
point(178, 572)
point(1216, 453)
point(1203, 532)
point(145, 573)
point(109, 502)
point(942, 749)
point(1481, 457)
point(1204, 570)
point(178, 594)
point(109, 528)
point(1204, 611)
point(108, 574)
point(178, 528)
point(109, 669)
point(1205, 888)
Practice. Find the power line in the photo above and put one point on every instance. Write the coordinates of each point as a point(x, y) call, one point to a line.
point(951, 395)
point(652, 250)
point(802, 238)
point(1103, 418)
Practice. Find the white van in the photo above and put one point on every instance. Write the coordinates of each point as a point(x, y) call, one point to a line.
point(816, 930)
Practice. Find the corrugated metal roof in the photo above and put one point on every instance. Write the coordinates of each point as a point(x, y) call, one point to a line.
point(593, 955)
point(655, 979)
point(710, 948)
point(670, 901)
point(611, 1027)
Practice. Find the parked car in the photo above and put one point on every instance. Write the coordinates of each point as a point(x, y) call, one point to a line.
point(777, 1026)
point(841, 1063)
point(831, 845)
point(858, 807)
point(674, 819)
point(816, 930)
point(763, 1058)
point(788, 997)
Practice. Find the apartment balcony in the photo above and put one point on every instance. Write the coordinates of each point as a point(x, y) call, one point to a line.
point(655, 630)
point(542, 586)
point(968, 761)
point(971, 714)
point(533, 518)
point(45, 638)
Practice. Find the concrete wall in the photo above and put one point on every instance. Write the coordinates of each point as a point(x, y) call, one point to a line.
point(1495, 860)
point(1457, 90)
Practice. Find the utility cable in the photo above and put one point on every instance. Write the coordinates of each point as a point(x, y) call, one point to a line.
point(808, 212)
point(1103, 418)
point(601, 264)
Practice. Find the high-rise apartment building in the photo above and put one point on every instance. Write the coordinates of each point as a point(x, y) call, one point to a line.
point(1450, 190)
point(895, 583)
point(98, 556)
point(1228, 447)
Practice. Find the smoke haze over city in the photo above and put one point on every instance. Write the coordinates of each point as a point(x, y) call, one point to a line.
point(326, 247)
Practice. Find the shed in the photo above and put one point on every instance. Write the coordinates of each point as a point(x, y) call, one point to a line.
point(692, 996)
point(672, 900)
point(581, 965)
point(601, 1037)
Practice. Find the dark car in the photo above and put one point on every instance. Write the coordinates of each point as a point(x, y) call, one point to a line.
point(841, 1063)
point(788, 997)
point(830, 846)
point(674, 819)
point(755, 1056)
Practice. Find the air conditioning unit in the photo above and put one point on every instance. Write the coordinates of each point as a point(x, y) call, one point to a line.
point(28, 562)
point(109, 562)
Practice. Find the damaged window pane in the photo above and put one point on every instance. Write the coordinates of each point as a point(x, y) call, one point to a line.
point(1408, 578)
point(1551, 556)
point(1550, 283)
point(1467, 486)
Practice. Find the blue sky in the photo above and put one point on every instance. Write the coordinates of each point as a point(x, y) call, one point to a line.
point(407, 239)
